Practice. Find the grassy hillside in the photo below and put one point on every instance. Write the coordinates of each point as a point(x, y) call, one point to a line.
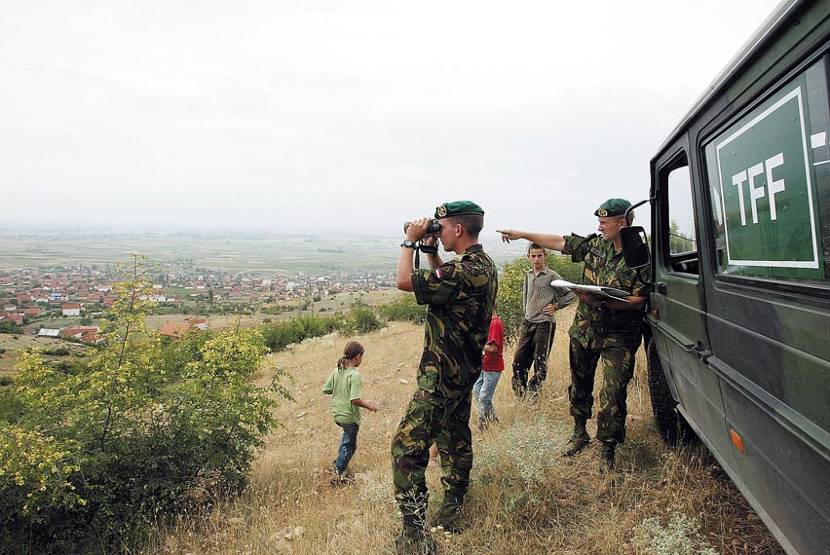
point(524, 497)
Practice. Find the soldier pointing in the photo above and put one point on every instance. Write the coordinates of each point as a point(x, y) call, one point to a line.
point(604, 332)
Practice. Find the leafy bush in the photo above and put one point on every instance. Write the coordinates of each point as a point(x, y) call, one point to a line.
point(278, 336)
point(8, 326)
point(362, 319)
point(404, 308)
point(56, 352)
point(136, 431)
point(509, 302)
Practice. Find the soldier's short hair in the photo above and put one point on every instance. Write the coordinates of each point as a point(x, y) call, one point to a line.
point(472, 223)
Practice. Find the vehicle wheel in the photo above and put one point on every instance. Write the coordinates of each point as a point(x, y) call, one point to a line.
point(671, 424)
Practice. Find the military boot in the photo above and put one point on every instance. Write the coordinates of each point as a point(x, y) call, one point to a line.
point(579, 440)
point(414, 540)
point(606, 457)
point(449, 515)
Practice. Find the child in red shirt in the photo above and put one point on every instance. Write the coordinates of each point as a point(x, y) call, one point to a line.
point(492, 365)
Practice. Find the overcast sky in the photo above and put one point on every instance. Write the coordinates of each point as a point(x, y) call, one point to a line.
point(326, 115)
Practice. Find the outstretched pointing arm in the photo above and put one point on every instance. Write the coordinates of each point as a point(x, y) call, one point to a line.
point(547, 240)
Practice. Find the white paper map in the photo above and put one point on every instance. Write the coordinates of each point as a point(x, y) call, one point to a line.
point(607, 292)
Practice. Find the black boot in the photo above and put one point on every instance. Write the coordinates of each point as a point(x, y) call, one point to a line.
point(449, 515)
point(414, 538)
point(414, 541)
point(579, 440)
point(606, 457)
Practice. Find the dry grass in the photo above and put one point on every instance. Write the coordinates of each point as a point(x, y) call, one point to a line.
point(524, 498)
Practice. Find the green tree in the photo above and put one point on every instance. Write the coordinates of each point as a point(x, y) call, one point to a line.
point(131, 432)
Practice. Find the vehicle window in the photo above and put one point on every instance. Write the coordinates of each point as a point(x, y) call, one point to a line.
point(679, 226)
point(769, 185)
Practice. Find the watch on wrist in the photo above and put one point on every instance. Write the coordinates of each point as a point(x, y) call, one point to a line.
point(409, 244)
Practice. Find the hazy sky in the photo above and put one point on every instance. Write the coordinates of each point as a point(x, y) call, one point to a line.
point(326, 115)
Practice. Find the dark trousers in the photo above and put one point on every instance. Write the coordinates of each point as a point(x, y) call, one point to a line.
point(615, 357)
point(348, 445)
point(431, 418)
point(533, 348)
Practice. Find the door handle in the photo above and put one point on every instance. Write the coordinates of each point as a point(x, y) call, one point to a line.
point(660, 287)
point(701, 351)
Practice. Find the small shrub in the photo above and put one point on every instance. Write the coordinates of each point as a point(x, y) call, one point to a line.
point(533, 449)
point(281, 334)
point(680, 536)
point(529, 447)
point(9, 327)
point(404, 309)
point(362, 319)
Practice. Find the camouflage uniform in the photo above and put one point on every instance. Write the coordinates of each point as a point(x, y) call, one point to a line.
point(610, 337)
point(461, 295)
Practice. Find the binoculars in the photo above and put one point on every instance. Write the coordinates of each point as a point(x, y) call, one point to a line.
point(433, 229)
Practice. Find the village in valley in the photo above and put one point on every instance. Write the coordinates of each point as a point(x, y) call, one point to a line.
point(58, 283)
point(69, 302)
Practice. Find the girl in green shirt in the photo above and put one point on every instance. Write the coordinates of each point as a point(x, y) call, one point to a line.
point(344, 386)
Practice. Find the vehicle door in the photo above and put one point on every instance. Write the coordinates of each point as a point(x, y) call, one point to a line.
point(678, 302)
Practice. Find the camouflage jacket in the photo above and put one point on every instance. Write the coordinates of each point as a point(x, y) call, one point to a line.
point(604, 266)
point(461, 295)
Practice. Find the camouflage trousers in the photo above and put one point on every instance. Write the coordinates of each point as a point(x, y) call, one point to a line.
point(533, 348)
point(615, 355)
point(431, 417)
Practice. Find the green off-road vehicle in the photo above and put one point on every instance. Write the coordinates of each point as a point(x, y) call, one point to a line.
point(739, 320)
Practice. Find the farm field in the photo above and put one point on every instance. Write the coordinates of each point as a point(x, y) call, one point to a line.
point(237, 252)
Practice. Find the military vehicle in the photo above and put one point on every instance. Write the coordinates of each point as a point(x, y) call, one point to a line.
point(739, 342)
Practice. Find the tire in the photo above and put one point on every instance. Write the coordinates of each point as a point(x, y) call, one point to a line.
point(672, 426)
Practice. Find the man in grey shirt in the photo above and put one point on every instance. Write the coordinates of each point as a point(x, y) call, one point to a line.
point(540, 301)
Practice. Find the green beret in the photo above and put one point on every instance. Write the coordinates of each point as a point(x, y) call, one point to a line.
point(612, 207)
point(458, 208)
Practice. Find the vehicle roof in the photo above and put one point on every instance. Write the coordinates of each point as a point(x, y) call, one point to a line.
point(745, 54)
